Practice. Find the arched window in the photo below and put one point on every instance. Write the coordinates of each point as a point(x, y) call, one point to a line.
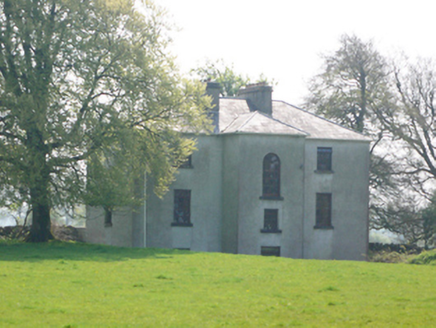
point(271, 176)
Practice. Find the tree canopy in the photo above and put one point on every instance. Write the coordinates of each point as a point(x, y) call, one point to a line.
point(89, 82)
point(352, 88)
point(394, 105)
point(230, 81)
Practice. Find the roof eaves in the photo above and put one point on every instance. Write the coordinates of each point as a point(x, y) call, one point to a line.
point(322, 118)
point(264, 134)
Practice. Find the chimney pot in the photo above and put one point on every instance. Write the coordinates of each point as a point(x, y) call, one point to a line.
point(258, 96)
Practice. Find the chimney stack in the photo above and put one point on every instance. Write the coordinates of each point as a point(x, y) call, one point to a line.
point(213, 89)
point(258, 96)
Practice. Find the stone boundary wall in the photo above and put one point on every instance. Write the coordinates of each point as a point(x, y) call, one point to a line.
point(399, 248)
point(64, 233)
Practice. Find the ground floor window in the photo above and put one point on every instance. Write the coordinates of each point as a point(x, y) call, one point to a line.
point(270, 220)
point(182, 207)
point(270, 250)
point(323, 211)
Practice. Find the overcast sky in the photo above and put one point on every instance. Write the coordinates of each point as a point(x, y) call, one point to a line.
point(284, 38)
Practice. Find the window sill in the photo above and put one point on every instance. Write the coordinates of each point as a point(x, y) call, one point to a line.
point(181, 224)
point(186, 167)
point(108, 225)
point(270, 231)
point(323, 227)
point(324, 171)
point(271, 197)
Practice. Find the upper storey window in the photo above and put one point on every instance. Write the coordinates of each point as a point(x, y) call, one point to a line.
point(271, 176)
point(324, 159)
point(187, 164)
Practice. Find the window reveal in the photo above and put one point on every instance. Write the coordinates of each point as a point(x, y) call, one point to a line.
point(187, 164)
point(323, 210)
point(270, 250)
point(270, 220)
point(271, 176)
point(324, 159)
point(182, 206)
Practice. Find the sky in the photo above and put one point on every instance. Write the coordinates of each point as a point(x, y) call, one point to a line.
point(283, 39)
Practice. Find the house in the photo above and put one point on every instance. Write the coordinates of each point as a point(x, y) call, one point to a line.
point(272, 179)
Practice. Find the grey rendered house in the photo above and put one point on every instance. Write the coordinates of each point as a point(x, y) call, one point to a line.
point(272, 179)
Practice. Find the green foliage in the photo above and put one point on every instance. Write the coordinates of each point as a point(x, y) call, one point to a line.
point(411, 122)
point(89, 81)
point(79, 285)
point(428, 217)
point(389, 257)
point(353, 86)
point(425, 258)
point(356, 88)
point(225, 75)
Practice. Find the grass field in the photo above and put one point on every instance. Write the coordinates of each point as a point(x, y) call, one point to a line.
point(79, 285)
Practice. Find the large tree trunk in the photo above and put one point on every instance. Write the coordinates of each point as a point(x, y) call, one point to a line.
point(40, 203)
point(41, 224)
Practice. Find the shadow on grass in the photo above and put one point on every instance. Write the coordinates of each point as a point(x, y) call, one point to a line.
point(56, 250)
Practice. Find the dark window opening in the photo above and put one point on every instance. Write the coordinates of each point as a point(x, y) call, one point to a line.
point(323, 211)
point(187, 164)
point(271, 221)
point(324, 159)
point(271, 176)
point(182, 207)
point(270, 250)
point(107, 217)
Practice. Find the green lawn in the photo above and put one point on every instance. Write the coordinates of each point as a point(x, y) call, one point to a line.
point(79, 285)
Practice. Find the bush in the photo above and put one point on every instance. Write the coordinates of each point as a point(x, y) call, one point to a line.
point(388, 257)
point(13, 232)
point(428, 258)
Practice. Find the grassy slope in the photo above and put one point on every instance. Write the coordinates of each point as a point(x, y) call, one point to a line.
point(73, 285)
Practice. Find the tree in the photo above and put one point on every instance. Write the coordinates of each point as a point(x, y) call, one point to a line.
point(428, 218)
point(88, 82)
point(353, 85)
point(225, 75)
point(412, 122)
point(408, 218)
point(353, 88)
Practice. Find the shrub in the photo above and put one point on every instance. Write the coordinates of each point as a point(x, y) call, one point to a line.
point(388, 257)
point(428, 258)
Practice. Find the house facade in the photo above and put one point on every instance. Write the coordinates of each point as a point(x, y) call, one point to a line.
point(272, 179)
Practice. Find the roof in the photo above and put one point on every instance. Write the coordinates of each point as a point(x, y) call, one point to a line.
point(257, 122)
point(235, 117)
point(317, 127)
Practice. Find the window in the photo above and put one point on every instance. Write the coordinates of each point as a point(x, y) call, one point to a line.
point(270, 250)
point(323, 211)
point(187, 164)
point(107, 217)
point(271, 221)
point(271, 177)
point(324, 159)
point(182, 207)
